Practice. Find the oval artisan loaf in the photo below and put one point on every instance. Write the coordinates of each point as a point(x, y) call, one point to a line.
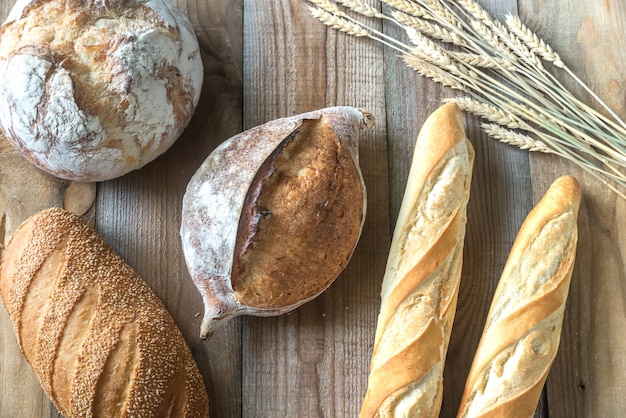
point(91, 90)
point(99, 340)
point(273, 215)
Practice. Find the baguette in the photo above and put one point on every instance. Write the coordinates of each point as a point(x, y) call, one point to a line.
point(99, 340)
point(521, 334)
point(421, 281)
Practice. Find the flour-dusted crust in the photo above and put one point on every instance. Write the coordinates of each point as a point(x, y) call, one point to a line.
point(223, 211)
point(91, 90)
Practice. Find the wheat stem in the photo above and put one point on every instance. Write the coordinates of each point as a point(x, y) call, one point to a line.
point(540, 47)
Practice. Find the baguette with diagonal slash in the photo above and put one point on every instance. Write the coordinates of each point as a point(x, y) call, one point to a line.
point(420, 286)
point(521, 335)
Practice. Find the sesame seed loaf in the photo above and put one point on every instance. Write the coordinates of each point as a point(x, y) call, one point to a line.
point(99, 340)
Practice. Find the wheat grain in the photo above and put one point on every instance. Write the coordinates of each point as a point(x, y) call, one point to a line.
point(338, 23)
point(329, 6)
point(427, 49)
point(442, 13)
point(433, 72)
point(514, 138)
point(362, 8)
point(408, 7)
point(483, 61)
point(519, 47)
point(428, 28)
point(488, 112)
point(488, 37)
point(498, 35)
point(477, 11)
point(532, 41)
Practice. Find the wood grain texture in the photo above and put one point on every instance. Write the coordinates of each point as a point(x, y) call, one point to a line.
point(588, 376)
point(140, 214)
point(269, 59)
point(24, 190)
point(312, 362)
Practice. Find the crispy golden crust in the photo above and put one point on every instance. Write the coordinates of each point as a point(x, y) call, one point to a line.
point(307, 204)
point(99, 340)
point(521, 335)
point(420, 286)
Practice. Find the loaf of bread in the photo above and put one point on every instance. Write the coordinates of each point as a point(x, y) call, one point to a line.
point(420, 286)
point(90, 90)
point(522, 331)
point(273, 215)
point(99, 340)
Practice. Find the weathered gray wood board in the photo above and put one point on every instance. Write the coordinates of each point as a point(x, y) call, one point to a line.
point(269, 59)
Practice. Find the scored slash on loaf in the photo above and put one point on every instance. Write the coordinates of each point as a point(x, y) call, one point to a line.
point(421, 281)
point(273, 215)
point(99, 340)
point(521, 336)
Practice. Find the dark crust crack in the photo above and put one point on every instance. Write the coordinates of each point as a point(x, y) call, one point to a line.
point(301, 220)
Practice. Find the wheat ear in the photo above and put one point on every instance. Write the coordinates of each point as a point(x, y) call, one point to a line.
point(500, 67)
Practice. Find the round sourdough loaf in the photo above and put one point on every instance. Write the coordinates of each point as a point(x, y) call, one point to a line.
point(93, 89)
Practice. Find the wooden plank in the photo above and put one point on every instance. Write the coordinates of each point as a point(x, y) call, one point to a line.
point(499, 201)
point(24, 190)
point(275, 60)
point(139, 214)
point(314, 362)
point(588, 378)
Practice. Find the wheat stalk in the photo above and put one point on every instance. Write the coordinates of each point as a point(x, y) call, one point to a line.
point(511, 137)
point(427, 27)
point(482, 61)
point(433, 72)
point(534, 42)
point(362, 8)
point(488, 112)
point(501, 69)
point(408, 7)
point(339, 23)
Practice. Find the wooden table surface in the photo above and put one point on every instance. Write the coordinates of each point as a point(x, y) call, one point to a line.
point(265, 59)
